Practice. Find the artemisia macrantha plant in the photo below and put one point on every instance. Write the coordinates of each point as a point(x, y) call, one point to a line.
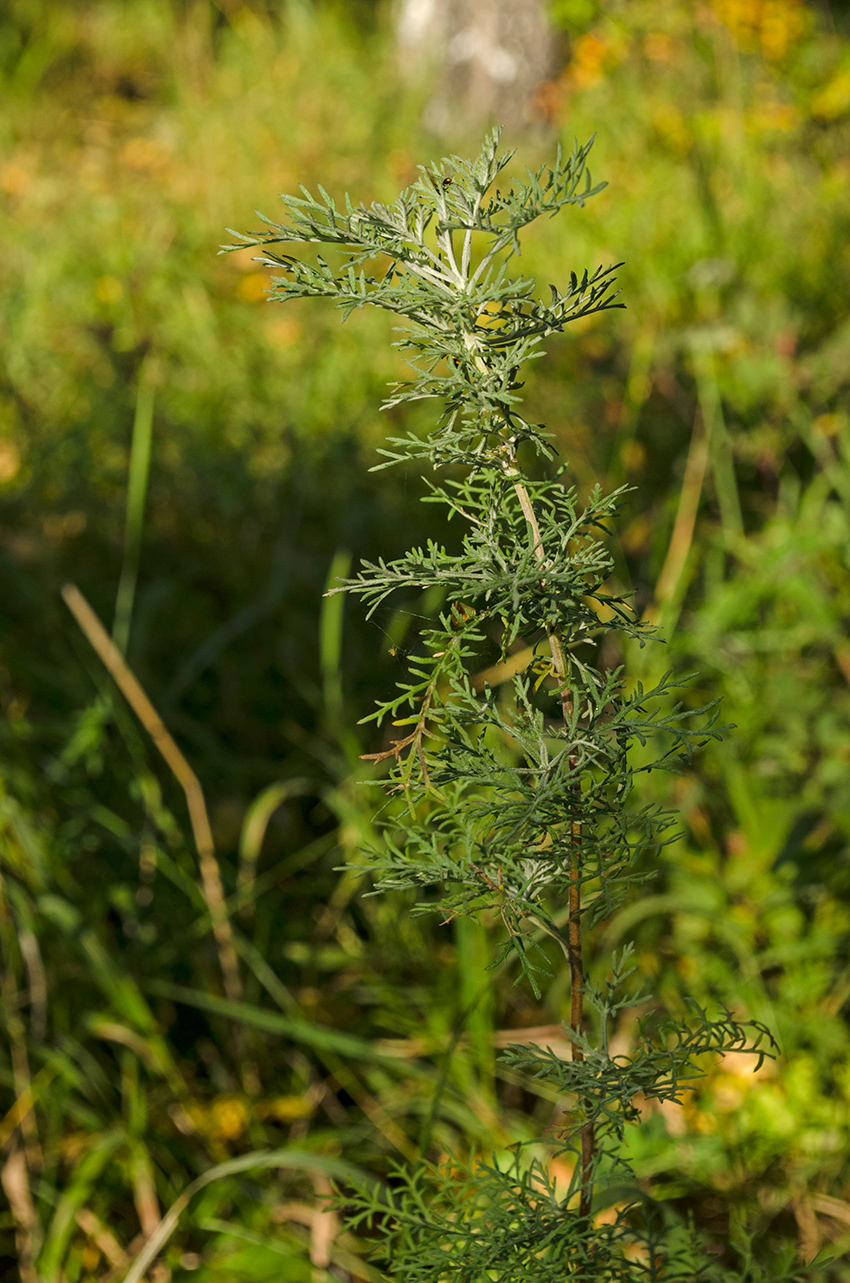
point(510, 802)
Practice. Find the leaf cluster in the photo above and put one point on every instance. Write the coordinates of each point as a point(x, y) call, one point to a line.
point(461, 1222)
point(667, 1059)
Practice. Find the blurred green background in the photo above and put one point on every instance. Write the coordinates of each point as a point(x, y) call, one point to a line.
point(132, 134)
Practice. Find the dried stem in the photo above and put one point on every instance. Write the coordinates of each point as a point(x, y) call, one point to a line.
point(14, 1178)
point(132, 691)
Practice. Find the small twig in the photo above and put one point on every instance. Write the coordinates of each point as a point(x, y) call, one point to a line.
point(21, 1075)
point(14, 1177)
point(24, 1103)
point(414, 741)
point(128, 684)
point(102, 1237)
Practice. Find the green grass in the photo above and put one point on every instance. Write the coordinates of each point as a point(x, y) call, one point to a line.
point(132, 136)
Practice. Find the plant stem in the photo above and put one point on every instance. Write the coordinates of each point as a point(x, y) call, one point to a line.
point(574, 939)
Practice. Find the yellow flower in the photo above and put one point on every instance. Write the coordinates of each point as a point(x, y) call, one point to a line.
point(590, 53)
point(768, 26)
point(834, 99)
point(108, 290)
point(227, 1118)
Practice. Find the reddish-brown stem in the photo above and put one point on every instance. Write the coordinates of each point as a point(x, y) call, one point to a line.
point(577, 1010)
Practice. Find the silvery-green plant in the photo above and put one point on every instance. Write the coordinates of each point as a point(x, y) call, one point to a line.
point(513, 802)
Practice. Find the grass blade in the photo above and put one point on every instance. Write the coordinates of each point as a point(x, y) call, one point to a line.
point(292, 1159)
point(137, 488)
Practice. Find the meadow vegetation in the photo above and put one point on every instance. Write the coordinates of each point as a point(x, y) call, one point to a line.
point(134, 1079)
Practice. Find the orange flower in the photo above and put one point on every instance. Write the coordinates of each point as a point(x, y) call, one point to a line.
point(768, 26)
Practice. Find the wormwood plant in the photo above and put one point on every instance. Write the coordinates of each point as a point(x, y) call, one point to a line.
point(513, 800)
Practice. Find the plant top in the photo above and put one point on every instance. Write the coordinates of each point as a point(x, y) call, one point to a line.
point(445, 245)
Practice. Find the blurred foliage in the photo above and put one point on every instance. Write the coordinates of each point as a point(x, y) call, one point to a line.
point(133, 134)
